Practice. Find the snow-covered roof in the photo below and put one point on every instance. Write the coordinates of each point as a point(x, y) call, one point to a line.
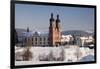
point(66, 35)
point(27, 34)
point(36, 33)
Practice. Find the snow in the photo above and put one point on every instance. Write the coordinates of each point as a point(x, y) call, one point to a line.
point(55, 55)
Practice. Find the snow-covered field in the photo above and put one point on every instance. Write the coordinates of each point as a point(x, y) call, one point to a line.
point(43, 55)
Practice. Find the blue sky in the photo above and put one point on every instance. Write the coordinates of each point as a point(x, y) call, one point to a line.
point(36, 17)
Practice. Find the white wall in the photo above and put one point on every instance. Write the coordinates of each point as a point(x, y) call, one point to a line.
point(5, 34)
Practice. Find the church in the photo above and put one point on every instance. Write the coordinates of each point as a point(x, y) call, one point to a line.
point(52, 38)
point(54, 31)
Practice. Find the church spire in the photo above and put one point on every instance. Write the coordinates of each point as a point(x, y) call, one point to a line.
point(27, 29)
point(57, 20)
point(51, 19)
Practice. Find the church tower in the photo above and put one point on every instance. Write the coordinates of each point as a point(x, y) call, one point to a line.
point(58, 31)
point(54, 31)
point(28, 38)
point(27, 29)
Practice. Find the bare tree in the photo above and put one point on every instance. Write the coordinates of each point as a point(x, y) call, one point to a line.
point(27, 55)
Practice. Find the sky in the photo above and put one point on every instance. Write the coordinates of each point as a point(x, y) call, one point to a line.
point(36, 17)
